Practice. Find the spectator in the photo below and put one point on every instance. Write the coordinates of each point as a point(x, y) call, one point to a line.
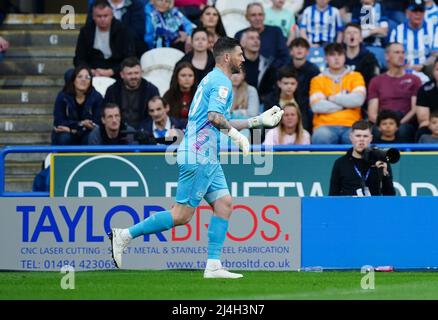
point(211, 20)
point(336, 97)
point(166, 26)
point(260, 72)
point(305, 70)
point(272, 42)
point(290, 130)
point(282, 18)
point(200, 57)
point(431, 15)
point(181, 92)
point(352, 175)
point(387, 123)
point(321, 24)
point(375, 28)
point(112, 131)
point(160, 127)
point(191, 8)
point(103, 43)
point(284, 92)
point(4, 45)
point(416, 35)
point(433, 126)
point(131, 14)
point(131, 93)
point(41, 182)
point(357, 56)
point(246, 102)
point(77, 109)
point(395, 90)
point(427, 102)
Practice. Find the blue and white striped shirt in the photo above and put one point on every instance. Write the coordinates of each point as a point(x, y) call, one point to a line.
point(431, 15)
point(321, 26)
point(418, 43)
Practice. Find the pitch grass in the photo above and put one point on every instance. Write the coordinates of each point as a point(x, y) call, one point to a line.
point(189, 285)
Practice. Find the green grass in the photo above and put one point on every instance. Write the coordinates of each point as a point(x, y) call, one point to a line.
point(256, 285)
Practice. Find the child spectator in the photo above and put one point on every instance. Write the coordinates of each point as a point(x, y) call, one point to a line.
point(166, 26)
point(433, 126)
point(387, 125)
point(290, 130)
point(321, 24)
point(282, 18)
point(200, 57)
point(306, 70)
point(285, 90)
point(181, 91)
point(4, 45)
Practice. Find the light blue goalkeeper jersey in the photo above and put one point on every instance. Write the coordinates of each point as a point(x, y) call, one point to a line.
point(201, 138)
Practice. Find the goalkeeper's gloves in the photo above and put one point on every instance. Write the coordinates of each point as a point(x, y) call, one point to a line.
point(269, 118)
point(239, 140)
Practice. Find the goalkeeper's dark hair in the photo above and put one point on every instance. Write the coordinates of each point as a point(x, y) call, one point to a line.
point(362, 125)
point(224, 45)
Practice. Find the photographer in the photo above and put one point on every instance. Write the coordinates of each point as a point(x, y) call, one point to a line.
point(358, 173)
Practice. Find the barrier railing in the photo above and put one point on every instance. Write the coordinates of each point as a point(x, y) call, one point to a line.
point(161, 148)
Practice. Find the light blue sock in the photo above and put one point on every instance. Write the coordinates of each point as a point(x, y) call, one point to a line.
point(160, 221)
point(217, 231)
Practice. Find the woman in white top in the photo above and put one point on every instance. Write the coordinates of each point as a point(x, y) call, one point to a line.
point(290, 130)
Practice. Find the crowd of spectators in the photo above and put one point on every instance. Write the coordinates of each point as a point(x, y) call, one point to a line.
point(380, 64)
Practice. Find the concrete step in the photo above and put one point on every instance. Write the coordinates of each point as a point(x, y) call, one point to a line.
point(39, 38)
point(42, 66)
point(14, 81)
point(24, 183)
point(25, 157)
point(37, 53)
point(25, 138)
point(17, 110)
point(29, 96)
point(42, 21)
point(29, 123)
point(19, 169)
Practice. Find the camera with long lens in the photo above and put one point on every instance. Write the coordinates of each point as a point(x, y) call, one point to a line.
point(374, 154)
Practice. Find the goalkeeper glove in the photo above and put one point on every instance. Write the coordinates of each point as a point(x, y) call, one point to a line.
point(239, 140)
point(269, 118)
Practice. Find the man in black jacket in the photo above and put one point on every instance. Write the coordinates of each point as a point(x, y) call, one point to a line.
point(352, 175)
point(103, 43)
point(132, 93)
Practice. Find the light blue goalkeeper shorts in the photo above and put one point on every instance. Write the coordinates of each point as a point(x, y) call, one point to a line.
point(198, 181)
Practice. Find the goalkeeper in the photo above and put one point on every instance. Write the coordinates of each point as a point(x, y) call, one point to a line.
point(200, 173)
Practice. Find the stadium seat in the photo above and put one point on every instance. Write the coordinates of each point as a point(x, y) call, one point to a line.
point(102, 83)
point(157, 66)
point(232, 6)
point(234, 22)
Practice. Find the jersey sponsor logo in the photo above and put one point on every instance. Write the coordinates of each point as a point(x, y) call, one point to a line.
point(223, 92)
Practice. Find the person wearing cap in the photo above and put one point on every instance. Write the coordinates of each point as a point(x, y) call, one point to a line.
point(416, 35)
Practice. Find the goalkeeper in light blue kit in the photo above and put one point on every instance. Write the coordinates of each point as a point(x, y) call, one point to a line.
point(200, 172)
